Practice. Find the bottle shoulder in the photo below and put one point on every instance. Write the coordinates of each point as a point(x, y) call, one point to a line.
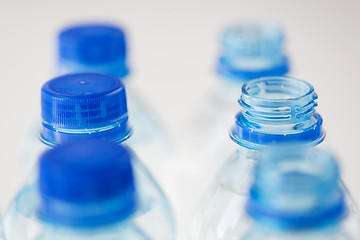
point(326, 233)
point(222, 206)
point(21, 222)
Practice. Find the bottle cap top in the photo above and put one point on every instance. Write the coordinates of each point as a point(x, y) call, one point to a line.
point(93, 48)
point(84, 105)
point(86, 182)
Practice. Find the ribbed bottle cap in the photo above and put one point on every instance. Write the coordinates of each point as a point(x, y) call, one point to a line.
point(252, 50)
point(86, 182)
point(93, 48)
point(86, 105)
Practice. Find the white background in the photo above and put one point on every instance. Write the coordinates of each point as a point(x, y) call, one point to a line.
point(173, 49)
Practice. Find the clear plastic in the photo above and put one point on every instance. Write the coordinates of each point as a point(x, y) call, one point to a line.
point(248, 50)
point(149, 140)
point(203, 148)
point(79, 47)
point(276, 111)
point(329, 233)
point(221, 214)
point(21, 221)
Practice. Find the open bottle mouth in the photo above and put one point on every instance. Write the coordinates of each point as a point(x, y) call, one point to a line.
point(277, 110)
point(253, 40)
point(252, 50)
point(278, 99)
point(279, 89)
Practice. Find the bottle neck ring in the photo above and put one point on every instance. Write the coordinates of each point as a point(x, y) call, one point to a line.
point(53, 136)
point(276, 111)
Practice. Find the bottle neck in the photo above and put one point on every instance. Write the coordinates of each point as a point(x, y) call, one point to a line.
point(252, 50)
point(277, 111)
point(52, 136)
point(117, 67)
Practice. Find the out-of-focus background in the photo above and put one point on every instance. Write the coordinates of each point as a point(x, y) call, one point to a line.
point(173, 47)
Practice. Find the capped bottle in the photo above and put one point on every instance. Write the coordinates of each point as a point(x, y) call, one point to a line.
point(102, 48)
point(93, 106)
point(247, 51)
point(86, 189)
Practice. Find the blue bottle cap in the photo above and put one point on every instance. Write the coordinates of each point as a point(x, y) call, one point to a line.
point(277, 111)
point(296, 188)
point(86, 105)
point(86, 183)
point(93, 48)
point(252, 50)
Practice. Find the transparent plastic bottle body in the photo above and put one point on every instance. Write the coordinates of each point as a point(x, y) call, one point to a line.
point(149, 139)
point(297, 194)
point(247, 51)
point(329, 233)
point(67, 103)
point(203, 150)
point(221, 214)
point(276, 111)
point(22, 223)
point(209, 139)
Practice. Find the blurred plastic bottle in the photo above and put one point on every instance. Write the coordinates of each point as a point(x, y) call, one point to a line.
point(86, 189)
point(296, 196)
point(276, 111)
point(93, 106)
point(102, 48)
point(248, 51)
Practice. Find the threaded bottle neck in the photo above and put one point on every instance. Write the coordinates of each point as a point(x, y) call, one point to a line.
point(279, 100)
point(252, 50)
point(277, 109)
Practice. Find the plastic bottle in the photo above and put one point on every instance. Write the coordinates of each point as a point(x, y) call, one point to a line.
point(296, 195)
point(248, 50)
point(102, 48)
point(93, 106)
point(277, 111)
point(86, 189)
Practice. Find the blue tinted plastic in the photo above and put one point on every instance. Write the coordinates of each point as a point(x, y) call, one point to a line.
point(251, 51)
point(93, 48)
point(296, 189)
point(22, 220)
point(277, 110)
point(86, 183)
point(84, 105)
